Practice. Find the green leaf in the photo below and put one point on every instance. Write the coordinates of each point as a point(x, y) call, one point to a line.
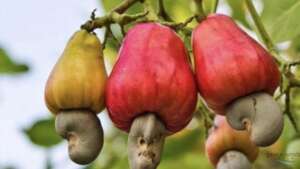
point(8, 66)
point(179, 10)
point(239, 11)
point(281, 19)
point(42, 133)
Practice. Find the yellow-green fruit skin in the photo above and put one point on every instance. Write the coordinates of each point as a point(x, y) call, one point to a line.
point(78, 79)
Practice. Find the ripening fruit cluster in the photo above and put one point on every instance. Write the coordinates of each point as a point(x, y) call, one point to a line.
point(152, 92)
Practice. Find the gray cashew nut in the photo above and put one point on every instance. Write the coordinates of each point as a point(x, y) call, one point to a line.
point(145, 142)
point(260, 114)
point(84, 133)
point(234, 160)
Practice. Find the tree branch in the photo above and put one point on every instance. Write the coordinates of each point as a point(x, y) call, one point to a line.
point(115, 16)
point(111, 18)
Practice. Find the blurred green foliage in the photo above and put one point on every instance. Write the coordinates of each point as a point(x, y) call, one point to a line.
point(281, 19)
point(8, 66)
point(186, 148)
point(42, 133)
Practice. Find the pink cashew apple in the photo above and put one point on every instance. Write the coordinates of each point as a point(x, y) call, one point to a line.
point(151, 91)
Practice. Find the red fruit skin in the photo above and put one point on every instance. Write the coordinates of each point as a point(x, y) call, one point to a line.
point(152, 75)
point(223, 138)
point(229, 63)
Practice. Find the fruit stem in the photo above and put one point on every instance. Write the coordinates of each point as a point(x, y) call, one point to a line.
point(145, 142)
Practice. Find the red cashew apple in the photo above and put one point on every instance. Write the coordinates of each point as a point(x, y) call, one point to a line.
point(237, 77)
point(151, 91)
point(227, 148)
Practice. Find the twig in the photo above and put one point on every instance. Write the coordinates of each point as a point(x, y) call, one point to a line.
point(287, 110)
point(295, 63)
point(111, 18)
point(93, 14)
point(179, 26)
point(293, 81)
